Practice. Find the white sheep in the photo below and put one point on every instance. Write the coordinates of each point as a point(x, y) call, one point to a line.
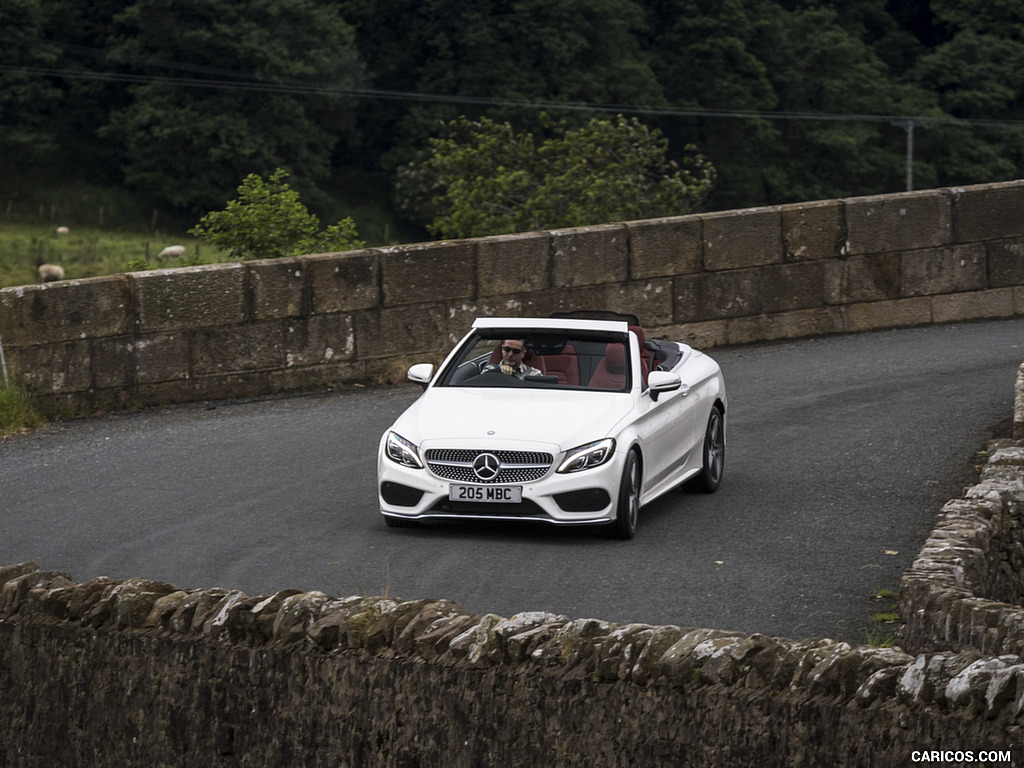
point(171, 252)
point(50, 272)
point(62, 230)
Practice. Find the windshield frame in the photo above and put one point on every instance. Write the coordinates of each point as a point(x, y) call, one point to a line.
point(474, 351)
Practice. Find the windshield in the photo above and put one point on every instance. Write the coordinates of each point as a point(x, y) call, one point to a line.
point(549, 360)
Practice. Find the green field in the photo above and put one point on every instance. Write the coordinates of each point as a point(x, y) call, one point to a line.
point(88, 252)
point(112, 230)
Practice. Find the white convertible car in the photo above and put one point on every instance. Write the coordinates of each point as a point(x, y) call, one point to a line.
point(576, 419)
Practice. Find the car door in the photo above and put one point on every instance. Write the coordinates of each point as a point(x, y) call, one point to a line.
point(666, 427)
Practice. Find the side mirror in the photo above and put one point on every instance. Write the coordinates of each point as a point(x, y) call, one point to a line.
point(662, 381)
point(421, 373)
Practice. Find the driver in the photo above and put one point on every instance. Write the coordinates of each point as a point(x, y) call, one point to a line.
point(512, 351)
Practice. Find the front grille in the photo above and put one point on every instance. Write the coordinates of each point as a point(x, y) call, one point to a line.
point(482, 509)
point(516, 466)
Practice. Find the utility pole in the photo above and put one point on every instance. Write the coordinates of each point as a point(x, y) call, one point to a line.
point(908, 126)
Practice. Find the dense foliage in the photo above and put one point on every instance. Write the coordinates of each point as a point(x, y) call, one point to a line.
point(484, 178)
point(268, 220)
point(787, 99)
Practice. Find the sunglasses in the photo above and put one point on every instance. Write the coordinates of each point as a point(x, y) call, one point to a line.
point(517, 350)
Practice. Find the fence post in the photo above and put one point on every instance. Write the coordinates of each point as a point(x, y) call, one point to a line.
point(3, 362)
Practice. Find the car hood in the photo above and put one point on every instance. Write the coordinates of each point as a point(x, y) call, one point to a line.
point(469, 417)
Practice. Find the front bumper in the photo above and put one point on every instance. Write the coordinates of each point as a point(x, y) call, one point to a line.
point(586, 497)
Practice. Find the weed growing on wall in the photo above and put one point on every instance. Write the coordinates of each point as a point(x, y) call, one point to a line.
point(16, 411)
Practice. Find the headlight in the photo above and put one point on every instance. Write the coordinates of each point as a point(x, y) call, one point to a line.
point(588, 456)
point(401, 451)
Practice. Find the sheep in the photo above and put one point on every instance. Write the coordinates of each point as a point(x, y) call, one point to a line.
point(50, 272)
point(171, 252)
point(62, 230)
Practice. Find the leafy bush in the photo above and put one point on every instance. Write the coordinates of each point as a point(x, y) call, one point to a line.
point(484, 178)
point(268, 220)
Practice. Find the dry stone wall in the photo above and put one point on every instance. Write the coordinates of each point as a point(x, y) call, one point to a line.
point(140, 673)
point(735, 277)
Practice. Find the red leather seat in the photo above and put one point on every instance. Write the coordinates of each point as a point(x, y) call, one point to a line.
point(565, 365)
point(611, 372)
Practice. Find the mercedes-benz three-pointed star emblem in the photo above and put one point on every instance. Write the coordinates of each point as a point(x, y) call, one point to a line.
point(486, 466)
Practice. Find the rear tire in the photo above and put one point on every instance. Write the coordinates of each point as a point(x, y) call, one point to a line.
point(713, 465)
point(627, 510)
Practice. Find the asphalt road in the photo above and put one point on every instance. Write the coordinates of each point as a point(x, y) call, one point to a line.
point(841, 451)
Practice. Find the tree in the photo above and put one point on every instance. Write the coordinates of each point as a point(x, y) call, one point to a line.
point(490, 179)
point(584, 51)
point(784, 58)
point(977, 74)
point(268, 220)
point(26, 99)
point(191, 137)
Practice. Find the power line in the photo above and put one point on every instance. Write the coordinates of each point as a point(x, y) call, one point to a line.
point(326, 89)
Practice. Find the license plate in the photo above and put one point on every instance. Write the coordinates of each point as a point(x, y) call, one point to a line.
point(500, 494)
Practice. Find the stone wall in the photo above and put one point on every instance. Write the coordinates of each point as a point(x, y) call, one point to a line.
point(965, 589)
point(733, 277)
point(139, 673)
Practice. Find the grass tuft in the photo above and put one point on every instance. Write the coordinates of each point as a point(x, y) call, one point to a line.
point(16, 411)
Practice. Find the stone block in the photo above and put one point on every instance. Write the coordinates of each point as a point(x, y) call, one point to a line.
point(513, 263)
point(813, 230)
point(162, 357)
point(229, 386)
point(166, 392)
point(803, 323)
point(588, 255)
point(742, 239)
point(718, 295)
point(698, 335)
point(903, 222)
point(989, 211)
point(887, 314)
point(413, 274)
point(650, 300)
point(875, 277)
point(978, 305)
point(318, 340)
point(255, 347)
point(58, 368)
point(1005, 263)
point(943, 270)
point(663, 247)
point(190, 297)
point(278, 288)
point(461, 314)
point(331, 374)
point(342, 282)
point(113, 362)
point(788, 287)
point(70, 309)
point(403, 331)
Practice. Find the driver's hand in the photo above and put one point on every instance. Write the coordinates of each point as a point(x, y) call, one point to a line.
point(508, 369)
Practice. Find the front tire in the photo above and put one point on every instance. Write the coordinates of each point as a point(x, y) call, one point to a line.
point(627, 510)
point(713, 465)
